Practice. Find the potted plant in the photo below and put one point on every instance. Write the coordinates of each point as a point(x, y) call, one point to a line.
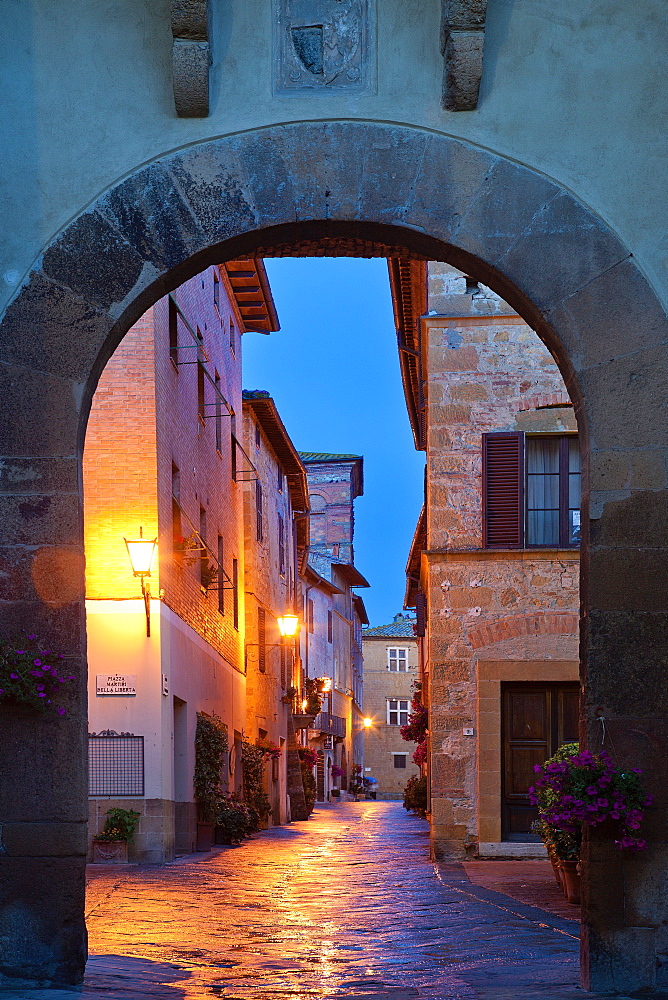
point(208, 575)
point(415, 795)
point(356, 783)
point(308, 759)
point(233, 820)
point(211, 745)
point(255, 797)
point(110, 846)
point(576, 789)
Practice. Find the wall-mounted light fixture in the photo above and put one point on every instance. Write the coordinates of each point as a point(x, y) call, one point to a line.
point(288, 626)
point(323, 685)
point(141, 552)
point(367, 723)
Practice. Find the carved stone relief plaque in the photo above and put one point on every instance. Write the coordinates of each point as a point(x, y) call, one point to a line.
point(323, 45)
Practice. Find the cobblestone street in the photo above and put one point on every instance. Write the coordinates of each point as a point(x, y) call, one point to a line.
point(345, 905)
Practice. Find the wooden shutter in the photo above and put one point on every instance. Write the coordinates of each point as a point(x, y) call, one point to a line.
point(420, 613)
point(503, 490)
point(261, 640)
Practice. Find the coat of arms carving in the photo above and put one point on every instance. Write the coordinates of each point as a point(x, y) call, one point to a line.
point(324, 44)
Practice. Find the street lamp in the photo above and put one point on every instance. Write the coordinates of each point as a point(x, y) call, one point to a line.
point(367, 723)
point(288, 626)
point(141, 552)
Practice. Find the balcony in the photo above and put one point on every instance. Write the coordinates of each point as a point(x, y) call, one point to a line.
point(330, 725)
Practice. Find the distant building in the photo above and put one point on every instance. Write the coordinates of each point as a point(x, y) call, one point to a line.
point(276, 538)
point(162, 454)
point(494, 566)
point(390, 676)
point(334, 614)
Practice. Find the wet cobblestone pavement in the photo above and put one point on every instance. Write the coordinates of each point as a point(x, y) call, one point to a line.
point(345, 905)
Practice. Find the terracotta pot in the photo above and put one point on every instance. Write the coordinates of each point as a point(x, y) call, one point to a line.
point(204, 836)
point(110, 852)
point(571, 880)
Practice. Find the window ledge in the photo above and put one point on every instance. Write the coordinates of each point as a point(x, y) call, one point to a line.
point(522, 555)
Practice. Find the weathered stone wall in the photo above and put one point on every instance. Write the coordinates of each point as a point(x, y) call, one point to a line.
point(487, 371)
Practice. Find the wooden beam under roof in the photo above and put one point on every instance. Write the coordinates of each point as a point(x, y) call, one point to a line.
point(252, 293)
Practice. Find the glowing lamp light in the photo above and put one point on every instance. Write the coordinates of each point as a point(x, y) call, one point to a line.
point(324, 684)
point(368, 723)
point(288, 625)
point(304, 705)
point(141, 552)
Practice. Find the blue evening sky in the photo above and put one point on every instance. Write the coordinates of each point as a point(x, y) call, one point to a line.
point(333, 371)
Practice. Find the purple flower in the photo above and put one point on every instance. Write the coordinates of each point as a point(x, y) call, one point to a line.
point(31, 636)
point(2, 690)
point(40, 687)
point(592, 790)
point(41, 695)
point(37, 663)
point(14, 677)
point(46, 667)
point(61, 711)
point(35, 673)
point(21, 652)
point(603, 803)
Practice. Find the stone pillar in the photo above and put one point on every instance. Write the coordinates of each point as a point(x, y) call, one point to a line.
point(43, 758)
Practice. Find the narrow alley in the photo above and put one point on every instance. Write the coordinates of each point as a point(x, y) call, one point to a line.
point(346, 905)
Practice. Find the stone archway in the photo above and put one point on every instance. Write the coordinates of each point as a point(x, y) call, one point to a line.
point(534, 243)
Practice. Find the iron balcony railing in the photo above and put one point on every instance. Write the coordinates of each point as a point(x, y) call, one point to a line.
point(331, 725)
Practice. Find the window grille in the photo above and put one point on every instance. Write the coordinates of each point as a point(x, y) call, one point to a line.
point(399, 760)
point(115, 764)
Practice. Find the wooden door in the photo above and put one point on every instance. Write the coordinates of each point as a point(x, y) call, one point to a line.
point(536, 719)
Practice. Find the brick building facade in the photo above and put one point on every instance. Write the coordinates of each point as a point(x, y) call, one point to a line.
point(495, 560)
point(162, 454)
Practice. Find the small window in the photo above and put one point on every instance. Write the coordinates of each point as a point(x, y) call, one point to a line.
point(200, 376)
point(310, 616)
point(173, 332)
point(281, 546)
point(397, 659)
point(262, 640)
point(216, 291)
point(221, 577)
point(399, 760)
point(259, 526)
point(235, 593)
point(279, 479)
point(233, 336)
point(219, 415)
point(397, 712)
point(204, 555)
point(258, 436)
point(553, 491)
point(330, 626)
point(177, 530)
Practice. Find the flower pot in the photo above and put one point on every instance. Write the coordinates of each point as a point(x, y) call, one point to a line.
point(204, 836)
point(571, 880)
point(110, 852)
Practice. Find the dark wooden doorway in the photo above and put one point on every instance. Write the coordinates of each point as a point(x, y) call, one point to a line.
point(536, 719)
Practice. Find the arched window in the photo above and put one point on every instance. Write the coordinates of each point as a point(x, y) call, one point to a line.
point(317, 503)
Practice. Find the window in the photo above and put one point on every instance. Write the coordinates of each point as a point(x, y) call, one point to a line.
point(399, 760)
point(173, 332)
point(310, 615)
point(262, 640)
point(531, 490)
point(284, 671)
point(204, 555)
point(200, 376)
point(259, 527)
point(279, 479)
point(233, 336)
point(553, 491)
point(221, 577)
point(397, 659)
point(281, 545)
point(216, 291)
point(397, 712)
point(258, 436)
point(317, 503)
point(219, 415)
point(177, 532)
point(330, 626)
point(235, 593)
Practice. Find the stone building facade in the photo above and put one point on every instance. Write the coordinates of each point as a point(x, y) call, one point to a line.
point(276, 536)
point(334, 614)
point(495, 559)
point(161, 455)
point(390, 677)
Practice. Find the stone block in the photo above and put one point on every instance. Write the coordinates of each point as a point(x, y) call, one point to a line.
point(640, 520)
point(151, 214)
point(54, 331)
point(627, 663)
point(621, 318)
point(94, 260)
point(629, 579)
point(189, 19)
point(47, 840)
point(620, 399)
point(619, 962)
point(448, 178)
point(463, 15)
point(463, 52)
point(636, 470)
point(40, 520)
point(39, 475)
point(504, 207)
point(44, 897)
point(190, 73)
point(551, 270)
point(213, 181)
